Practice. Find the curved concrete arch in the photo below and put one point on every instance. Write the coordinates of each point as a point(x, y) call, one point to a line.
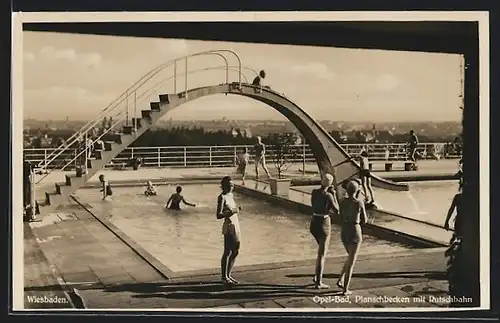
point(329, 155)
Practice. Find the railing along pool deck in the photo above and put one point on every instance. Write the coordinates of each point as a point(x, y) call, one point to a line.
point(217, 156)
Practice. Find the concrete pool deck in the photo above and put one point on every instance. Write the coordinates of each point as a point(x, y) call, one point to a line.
point(75, 250)
point(72, 248)
point(428, 169)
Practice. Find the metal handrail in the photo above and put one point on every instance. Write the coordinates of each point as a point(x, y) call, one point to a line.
point(89, 125)
point(230, 146)
point(74, 151)
point(184, 156)
point(81, 152)
point(137, 86)
point(98, 138)
point(163, 81)
point(113, 105)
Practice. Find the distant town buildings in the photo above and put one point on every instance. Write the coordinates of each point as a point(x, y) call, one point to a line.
point(45, 134)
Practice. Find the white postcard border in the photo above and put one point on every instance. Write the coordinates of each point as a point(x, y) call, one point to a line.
point(17, 115)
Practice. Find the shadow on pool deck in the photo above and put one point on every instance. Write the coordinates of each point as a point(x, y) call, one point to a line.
point(213, 290)
point(438, 275)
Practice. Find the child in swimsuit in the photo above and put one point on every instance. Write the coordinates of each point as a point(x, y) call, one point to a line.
point(228, 210)
point(260, 157)
point(412, 146)
point(365, 175)
point(106, 187)
point(150, 190)
point(174, 202)
point(241, 162)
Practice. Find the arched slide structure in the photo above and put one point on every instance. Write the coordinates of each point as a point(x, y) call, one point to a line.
point(328, 153)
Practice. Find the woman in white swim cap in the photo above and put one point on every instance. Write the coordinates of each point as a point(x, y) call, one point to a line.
point(353, 215)
point(323, 202)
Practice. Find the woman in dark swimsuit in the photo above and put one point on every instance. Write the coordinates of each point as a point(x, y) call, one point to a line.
point(174, 202)
point(324, 203)
point(353, 215)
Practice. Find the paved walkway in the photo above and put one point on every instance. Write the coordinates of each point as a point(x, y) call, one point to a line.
point(110, 274)
point(157, 175)
point(73, 249)
point(41, 287)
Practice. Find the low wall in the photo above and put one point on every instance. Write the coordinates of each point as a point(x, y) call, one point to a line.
point(394, 178)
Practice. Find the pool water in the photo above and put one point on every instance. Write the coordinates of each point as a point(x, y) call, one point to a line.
point(425, 201)
point(191, 239)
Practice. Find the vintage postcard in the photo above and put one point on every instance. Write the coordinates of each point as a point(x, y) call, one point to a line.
point(275, 161)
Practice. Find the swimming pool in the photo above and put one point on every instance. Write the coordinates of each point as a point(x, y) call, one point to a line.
point(191, 239)
point(425, 201)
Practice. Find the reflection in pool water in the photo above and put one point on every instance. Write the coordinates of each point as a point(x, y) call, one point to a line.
point(426, 201)
point(191, 239)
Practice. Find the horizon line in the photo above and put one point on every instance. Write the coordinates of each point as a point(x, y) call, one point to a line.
point(263, 120)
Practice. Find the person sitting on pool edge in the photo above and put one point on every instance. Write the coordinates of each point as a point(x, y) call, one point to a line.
point(174, 202)
point(106, 187)
point(150, 189)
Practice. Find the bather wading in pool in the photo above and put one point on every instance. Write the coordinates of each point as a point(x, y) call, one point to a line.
point(323, 202)
point(228, 210)
point(174, 202)
point(150, 189)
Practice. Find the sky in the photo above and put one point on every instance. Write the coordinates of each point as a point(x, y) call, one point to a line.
point(76, 76)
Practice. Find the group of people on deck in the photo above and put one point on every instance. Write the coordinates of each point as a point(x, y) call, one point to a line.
point(243, 159)
point(352, 215)
point(324, 203)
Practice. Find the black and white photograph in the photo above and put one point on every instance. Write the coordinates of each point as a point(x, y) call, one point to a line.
point(230, 173)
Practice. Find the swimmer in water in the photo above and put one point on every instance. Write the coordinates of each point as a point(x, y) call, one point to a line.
point(150, 190)
point(323, 202)
point(228, 210)
point(174, 202)
point(106, 187)
point(352, 215)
